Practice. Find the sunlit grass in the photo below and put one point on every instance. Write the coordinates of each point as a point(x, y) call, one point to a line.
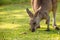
point(8, 26)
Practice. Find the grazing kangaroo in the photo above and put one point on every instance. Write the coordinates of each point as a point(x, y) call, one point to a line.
point(42, 12)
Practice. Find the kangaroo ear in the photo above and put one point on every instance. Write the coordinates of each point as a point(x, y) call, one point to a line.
point(29, 13)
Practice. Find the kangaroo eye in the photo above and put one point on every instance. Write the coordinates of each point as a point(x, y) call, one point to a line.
point(34, 23)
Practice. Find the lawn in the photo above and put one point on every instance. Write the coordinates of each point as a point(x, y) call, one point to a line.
point(14, 24)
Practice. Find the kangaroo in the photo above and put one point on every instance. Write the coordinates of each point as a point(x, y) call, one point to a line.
point(42, 12)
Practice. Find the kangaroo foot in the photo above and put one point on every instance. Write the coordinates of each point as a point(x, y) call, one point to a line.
point(47, 30)
point(57, 28)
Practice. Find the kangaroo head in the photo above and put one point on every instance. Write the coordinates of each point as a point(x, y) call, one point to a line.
point(34, 20)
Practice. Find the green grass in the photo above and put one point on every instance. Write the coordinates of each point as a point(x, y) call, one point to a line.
point(14, 25)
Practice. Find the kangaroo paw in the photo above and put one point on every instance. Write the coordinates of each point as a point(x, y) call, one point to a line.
point(38, 27)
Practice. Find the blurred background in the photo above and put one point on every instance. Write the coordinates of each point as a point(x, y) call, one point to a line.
point(5, 2)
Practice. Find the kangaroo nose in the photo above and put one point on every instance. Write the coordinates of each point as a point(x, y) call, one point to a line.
point(33, 30)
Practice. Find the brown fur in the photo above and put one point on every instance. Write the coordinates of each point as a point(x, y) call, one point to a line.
point(42, 9)
point(37, 3)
